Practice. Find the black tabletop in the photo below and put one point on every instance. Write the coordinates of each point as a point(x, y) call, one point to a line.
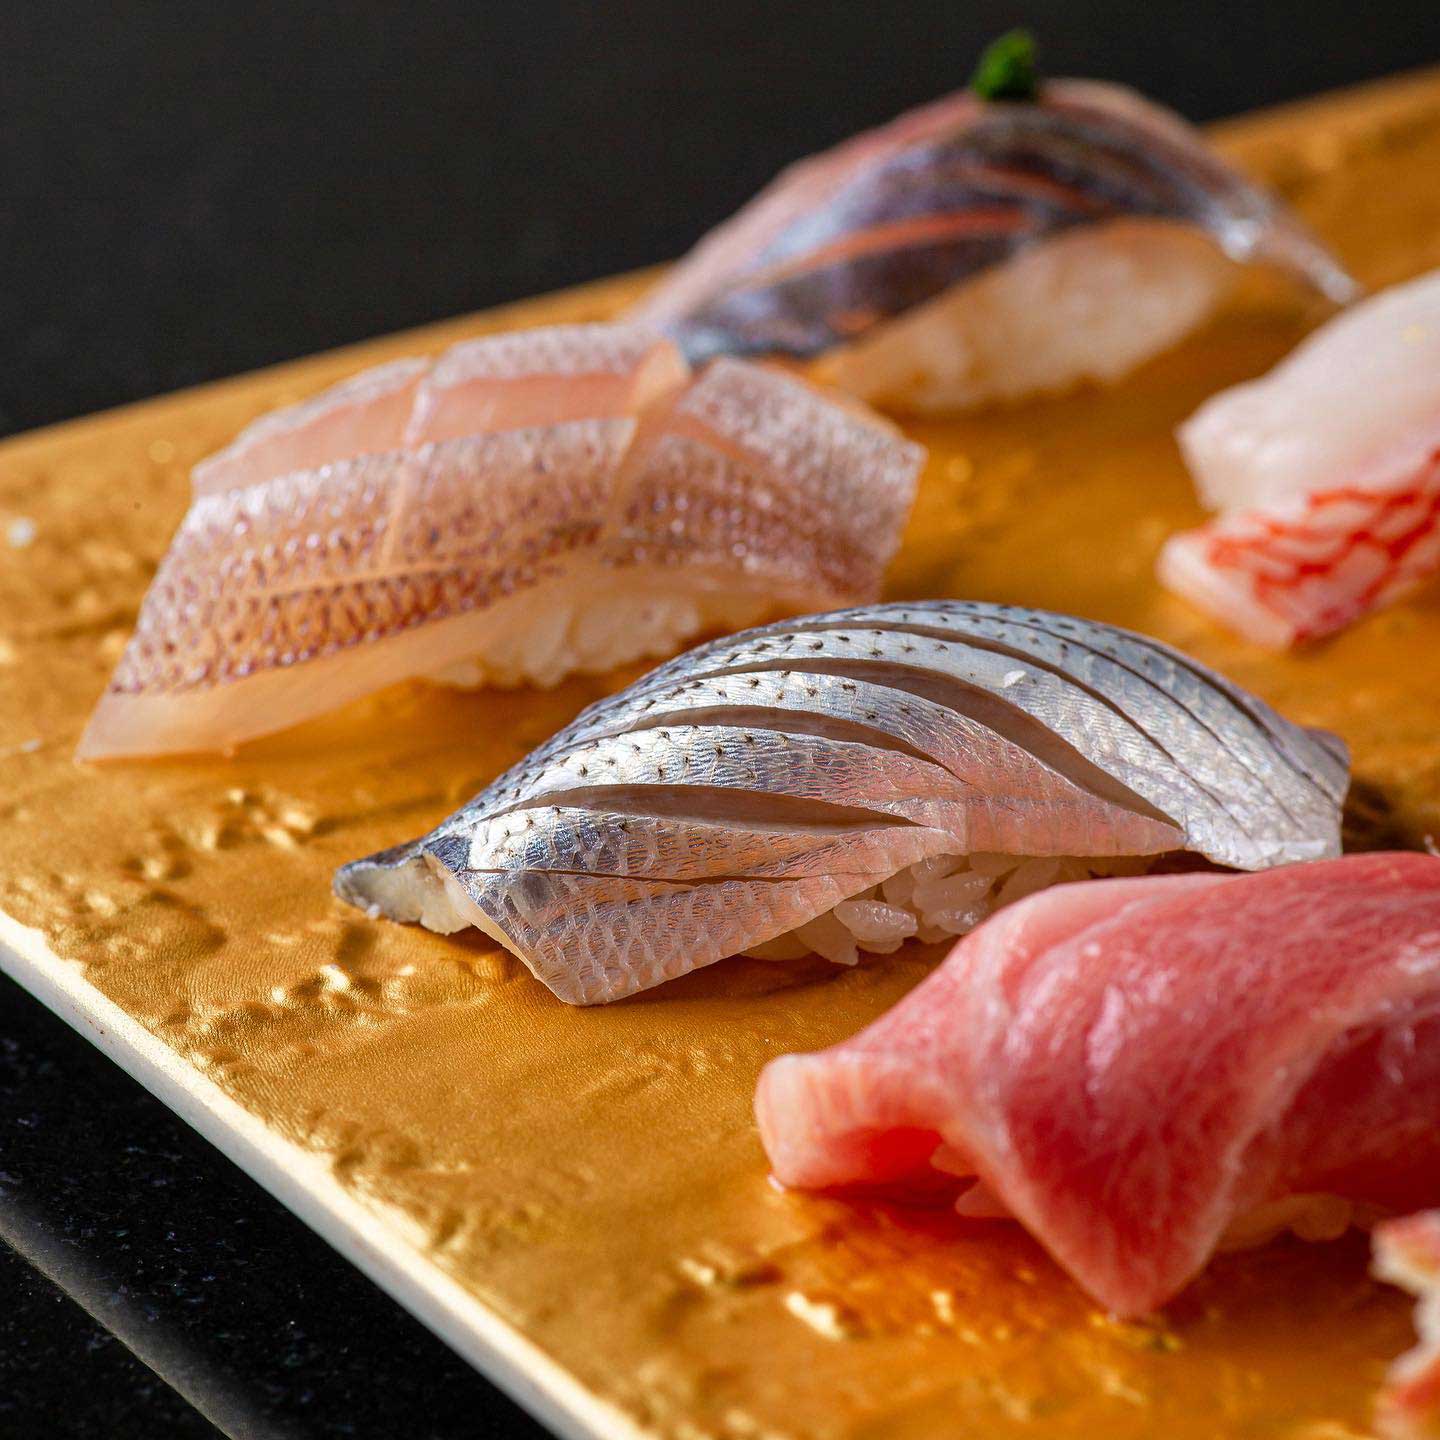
point(192, 190)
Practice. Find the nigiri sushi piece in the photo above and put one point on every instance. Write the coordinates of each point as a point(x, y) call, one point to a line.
point(1407, 1253)
point(529, 505)
point(844, 781)
point(1143, 1070)
point(1326, 474)
point(1014, 238)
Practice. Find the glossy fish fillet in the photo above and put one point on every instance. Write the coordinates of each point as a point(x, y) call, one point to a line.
point(1327, 476)
point(750, 788)
point(974, 250)
point(529, 505)
point(1407, 1253)
point(1130, 1067)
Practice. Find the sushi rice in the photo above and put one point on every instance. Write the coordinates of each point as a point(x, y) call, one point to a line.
point(935, 900)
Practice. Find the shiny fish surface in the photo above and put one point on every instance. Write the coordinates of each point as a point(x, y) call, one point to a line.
point(749, 786)
point(847, 240)
point(528, 505)
point(1326, 474)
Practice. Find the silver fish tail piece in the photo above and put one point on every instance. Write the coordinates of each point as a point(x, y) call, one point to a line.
point(750, 786)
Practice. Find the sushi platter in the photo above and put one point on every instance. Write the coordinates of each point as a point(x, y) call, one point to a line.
point(1104, 706)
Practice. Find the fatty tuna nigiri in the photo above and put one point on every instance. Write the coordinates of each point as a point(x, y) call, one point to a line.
point(842, 782)
point(1143, 1070)
point(1326, 474)
point(1014, 238)
point(1407, 1253)
point(528, 505)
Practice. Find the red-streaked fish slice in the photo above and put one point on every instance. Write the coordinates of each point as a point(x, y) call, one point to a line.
point(891, 255)
point(1326, 474)
point(1407, 1253)
point(645, 508)
point(1308, 567)
point(1131, 1066)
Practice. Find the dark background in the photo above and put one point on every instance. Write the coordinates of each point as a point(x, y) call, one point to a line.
point(192, 189)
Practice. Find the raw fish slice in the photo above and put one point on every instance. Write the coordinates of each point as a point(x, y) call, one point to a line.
point(894, 769)
point(1363, 386)
point(1078, 822)
point(1120, 701)
point(649, 510)
point(365, 415)
point(1309, 567)
point(1130, 1066)
point(770, 483)
point(538, 378)
point(1327, 476)
point(1407, 1253)
point(498, 382)
point(974, 250)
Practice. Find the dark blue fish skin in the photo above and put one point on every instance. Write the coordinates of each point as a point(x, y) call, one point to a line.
point(895, 222)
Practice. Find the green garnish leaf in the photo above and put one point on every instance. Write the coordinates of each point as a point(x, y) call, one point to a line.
point(1007, 68)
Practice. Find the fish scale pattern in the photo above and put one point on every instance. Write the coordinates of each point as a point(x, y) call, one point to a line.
point(314, 564)
point(745, 789)
point(761, 472)
point(750, 481)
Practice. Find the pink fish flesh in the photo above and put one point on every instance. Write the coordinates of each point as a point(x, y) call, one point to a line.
point(1129, 1067)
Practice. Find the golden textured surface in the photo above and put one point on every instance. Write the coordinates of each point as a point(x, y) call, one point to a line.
point(592, 1177)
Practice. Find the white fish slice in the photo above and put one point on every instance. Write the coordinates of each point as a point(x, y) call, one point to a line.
point(1326, 474)
point(533, 504)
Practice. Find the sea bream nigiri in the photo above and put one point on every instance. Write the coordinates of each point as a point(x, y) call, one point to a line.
point(1326, 474)
point(1015, 238)
point(1143, 1071)
point(845, 781)
point(528, 505)
point(1407, 1253)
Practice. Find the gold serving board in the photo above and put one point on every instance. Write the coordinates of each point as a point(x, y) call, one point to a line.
point(576, 1199)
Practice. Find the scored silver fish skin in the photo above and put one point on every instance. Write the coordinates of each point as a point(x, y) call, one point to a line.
point(751, 784)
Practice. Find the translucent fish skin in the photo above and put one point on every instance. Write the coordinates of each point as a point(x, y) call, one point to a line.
point(847, 240)
point(1407, 1253)
point(1128, 1066)
point(1327, 476)
point(751, 784)
point(469, 503)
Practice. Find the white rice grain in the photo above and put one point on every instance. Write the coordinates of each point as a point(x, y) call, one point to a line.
point(933, 901)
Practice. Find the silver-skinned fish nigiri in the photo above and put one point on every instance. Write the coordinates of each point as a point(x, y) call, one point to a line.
point(856, 778)
point(1014, 238)
point(529, 505)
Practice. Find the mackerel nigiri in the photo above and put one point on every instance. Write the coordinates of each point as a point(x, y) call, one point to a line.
point(1014, 238)
point(1327, 476)
point(529, 505)
point(1143, 1071)
point(845, 781)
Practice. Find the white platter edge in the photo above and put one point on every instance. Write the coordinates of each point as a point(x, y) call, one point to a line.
point(302, 1181)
